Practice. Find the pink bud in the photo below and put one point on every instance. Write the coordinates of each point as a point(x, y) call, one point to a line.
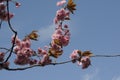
point(17, 4)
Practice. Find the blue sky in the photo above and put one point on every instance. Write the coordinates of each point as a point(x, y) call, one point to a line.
point(95, 26)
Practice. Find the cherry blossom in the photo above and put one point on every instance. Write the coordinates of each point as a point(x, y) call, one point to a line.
point(84, 61)
point(60, 3)
point(4, 65)
point(18, 4)
point(4, 14)
point(61, 15)
point(23, 51)
point(2, 56)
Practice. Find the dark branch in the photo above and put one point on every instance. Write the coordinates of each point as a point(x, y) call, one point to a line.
point(0, 24)
point(59, 63)
point(8, 16)
point(7, 50)
point(10, 26)
point(106, 55)
point(17, 69)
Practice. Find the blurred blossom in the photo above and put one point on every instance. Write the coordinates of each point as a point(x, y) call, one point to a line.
point(61, 3)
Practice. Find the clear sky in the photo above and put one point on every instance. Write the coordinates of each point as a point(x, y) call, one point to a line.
point(95, 26)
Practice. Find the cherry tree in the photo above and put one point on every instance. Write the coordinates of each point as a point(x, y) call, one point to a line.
point(29, 58)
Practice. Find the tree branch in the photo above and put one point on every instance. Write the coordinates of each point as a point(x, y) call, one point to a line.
point(10, 26)
point(17, 69)
point(106, 55)
point(0, 24)
point(56, 63)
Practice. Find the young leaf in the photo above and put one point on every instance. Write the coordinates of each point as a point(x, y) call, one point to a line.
point(71, 6)
point(79, 53)
point(87, 53)
point(33, 35)
point(55, 53)
point(57, 41)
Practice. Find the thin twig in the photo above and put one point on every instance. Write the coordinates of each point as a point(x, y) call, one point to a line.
point(36, 65)
point(59, 63)
point(5, 49)
point(8, 16)
point(17, 69)
point(10, 26)
point(106, 55)
point(0, 24)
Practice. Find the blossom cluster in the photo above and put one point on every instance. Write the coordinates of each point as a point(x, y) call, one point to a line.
point(45, 57)
point(5, 64)
point(81, 58)
point(24, 53)
point(60, 39)
point(61, 36)
point(2, 54)
point(61, 15)
point(4, 14)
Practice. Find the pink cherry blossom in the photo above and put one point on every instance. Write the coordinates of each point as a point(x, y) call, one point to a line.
point(5, 16)
point(2, 7)
point(17, 4)
point(6, 64)
point(55, 47)
point(60, 15)
point(22, 60)
point(16, 49)
point(65, 26)
point(27, 43)
point(32, 61)
point(85, 62)
point(74, 55)
point(45, 60)
point(42, 52)
point(65, 41)
point(23, 51)
point(2, 55)
point(17, 40)
point(39, 50)
point(60, 3)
